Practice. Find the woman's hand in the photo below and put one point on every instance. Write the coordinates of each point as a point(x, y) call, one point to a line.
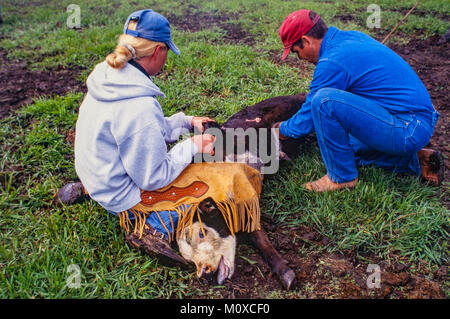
point(198, 122)
point(204, 143)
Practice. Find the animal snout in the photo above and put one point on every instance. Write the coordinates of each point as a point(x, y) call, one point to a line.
point(206, 272)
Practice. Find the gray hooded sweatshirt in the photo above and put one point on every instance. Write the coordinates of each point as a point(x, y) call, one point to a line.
point(121, 135)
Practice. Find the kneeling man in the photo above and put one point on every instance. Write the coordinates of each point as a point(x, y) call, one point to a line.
point(366, 104)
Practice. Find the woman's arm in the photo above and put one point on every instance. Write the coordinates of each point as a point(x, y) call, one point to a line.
point(147, 161)
point(176, 125)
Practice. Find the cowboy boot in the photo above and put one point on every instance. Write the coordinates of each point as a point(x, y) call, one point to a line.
point(71, 193)
point(432, 166)
point(154, 244)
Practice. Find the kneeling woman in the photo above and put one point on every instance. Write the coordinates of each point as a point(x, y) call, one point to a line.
point(121, 132)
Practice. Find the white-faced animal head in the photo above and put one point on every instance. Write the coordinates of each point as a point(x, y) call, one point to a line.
point(211, 247)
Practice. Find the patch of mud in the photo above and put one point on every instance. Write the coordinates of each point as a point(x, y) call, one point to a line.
point(19, 85)
point(320, 274)
point(421, 13)
point(198, 21)
point(360, 13)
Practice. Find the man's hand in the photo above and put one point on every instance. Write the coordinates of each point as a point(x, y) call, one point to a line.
point(204, 143)
point(281, 137)
point(198, 122)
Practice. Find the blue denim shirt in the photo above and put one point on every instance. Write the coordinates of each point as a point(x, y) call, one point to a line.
point(355, 62)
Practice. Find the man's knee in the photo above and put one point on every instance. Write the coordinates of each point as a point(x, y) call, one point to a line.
point(322, 96)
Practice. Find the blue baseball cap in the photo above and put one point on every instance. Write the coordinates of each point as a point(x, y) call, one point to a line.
point(151, 26)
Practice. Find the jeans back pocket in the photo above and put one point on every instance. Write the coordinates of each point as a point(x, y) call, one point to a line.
point(417, 135)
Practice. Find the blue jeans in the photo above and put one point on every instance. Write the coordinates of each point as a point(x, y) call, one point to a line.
point(352, 130)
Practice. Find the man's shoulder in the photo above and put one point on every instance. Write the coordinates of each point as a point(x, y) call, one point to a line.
point(351, 35)
point(346, 44)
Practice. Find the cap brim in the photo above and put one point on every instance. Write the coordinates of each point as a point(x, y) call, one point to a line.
point(173, 47)
point(285, 53)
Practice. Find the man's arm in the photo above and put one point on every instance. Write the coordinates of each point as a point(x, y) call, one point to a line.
point(327, 74)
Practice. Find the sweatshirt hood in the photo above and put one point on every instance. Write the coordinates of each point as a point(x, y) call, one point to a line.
point(108, 84)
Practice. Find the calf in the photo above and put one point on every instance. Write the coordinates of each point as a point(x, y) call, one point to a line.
point(262, 115)
point(213, 249)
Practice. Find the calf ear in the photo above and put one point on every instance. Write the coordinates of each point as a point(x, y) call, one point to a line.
point(273, 114)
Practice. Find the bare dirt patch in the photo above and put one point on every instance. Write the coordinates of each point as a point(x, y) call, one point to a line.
point(197, 21)
point(19, 85)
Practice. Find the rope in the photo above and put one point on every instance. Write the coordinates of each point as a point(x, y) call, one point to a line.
point(401, 21)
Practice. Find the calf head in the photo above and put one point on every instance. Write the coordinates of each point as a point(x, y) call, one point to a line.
point(209, 243)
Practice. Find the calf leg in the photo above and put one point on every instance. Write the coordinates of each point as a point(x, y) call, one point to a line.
point(276, 262)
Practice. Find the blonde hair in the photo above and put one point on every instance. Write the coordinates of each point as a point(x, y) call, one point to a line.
point(122, 53)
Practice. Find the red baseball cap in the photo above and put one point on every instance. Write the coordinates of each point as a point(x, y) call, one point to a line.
point(296, 25)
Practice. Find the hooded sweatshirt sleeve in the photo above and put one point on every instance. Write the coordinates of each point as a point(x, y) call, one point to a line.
point(176, 125)
point(146, 160)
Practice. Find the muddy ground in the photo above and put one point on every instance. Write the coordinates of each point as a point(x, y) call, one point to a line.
point(19, 85)
point(196, 21)
point(319, 274)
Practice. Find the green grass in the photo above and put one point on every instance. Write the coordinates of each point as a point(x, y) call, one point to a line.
point(39, 34)
point(384, 215)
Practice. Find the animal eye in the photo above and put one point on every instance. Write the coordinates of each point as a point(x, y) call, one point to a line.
point(200, 233)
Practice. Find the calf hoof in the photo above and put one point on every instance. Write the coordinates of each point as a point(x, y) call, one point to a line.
point(287, 278)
